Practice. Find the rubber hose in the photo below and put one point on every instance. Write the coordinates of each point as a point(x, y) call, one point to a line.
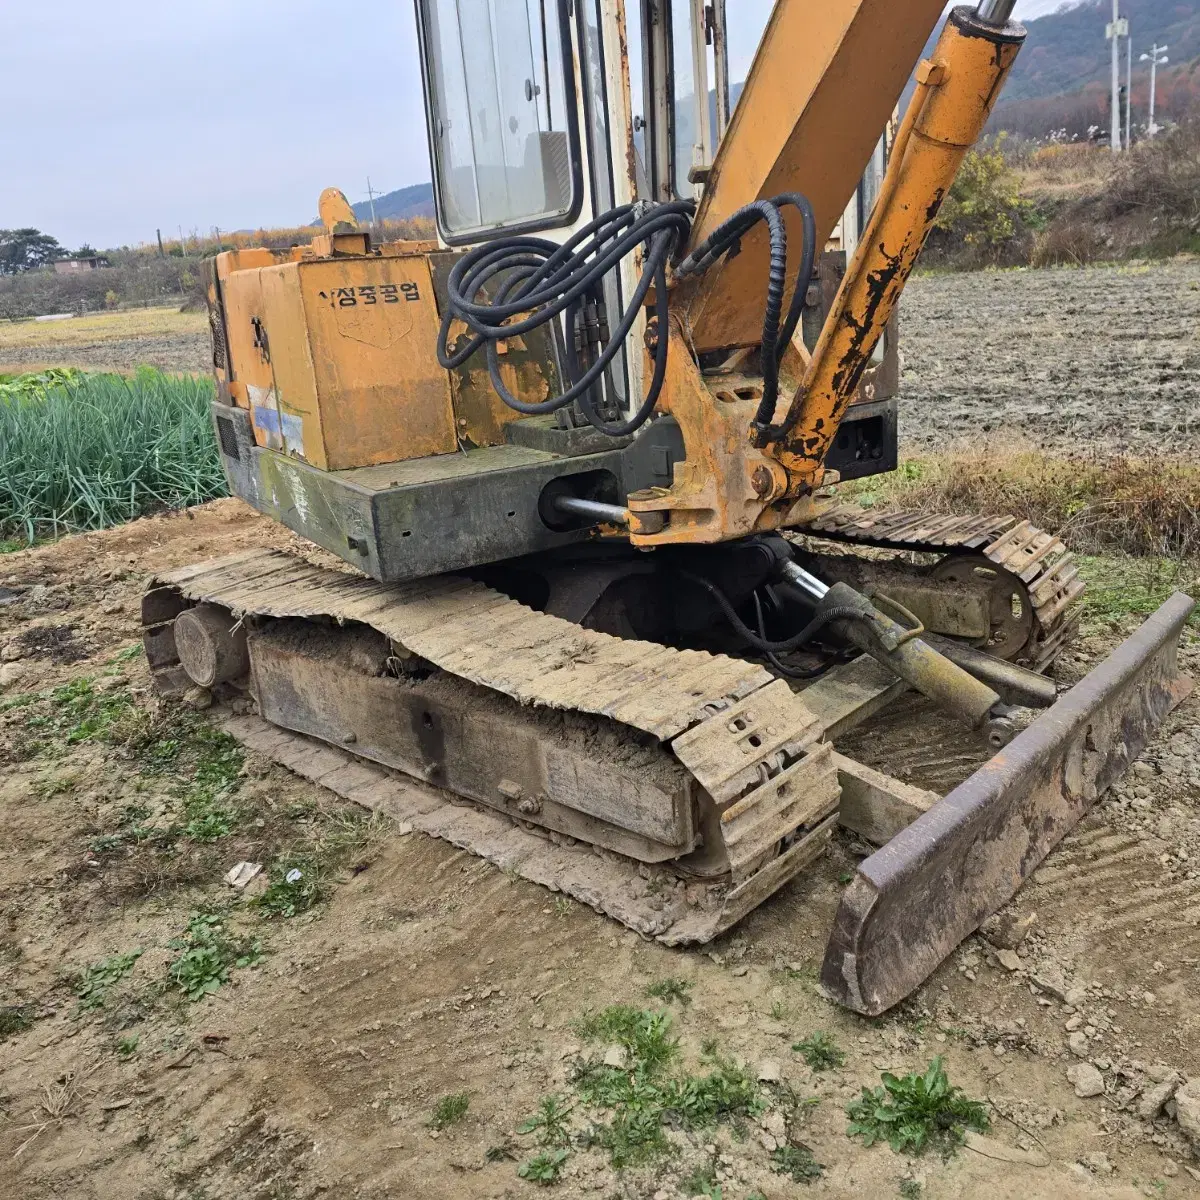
point(810, 631)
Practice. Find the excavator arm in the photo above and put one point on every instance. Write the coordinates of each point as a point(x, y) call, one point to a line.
point(744, 476)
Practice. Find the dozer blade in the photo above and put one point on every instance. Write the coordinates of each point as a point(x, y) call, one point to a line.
point(938, 880)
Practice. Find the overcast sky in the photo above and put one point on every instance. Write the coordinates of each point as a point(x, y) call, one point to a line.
point(123, 116)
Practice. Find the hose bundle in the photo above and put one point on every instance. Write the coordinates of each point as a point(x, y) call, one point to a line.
point(493, 285)
point(543, 279)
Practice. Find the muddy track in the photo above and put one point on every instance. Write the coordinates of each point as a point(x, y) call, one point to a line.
point(1105, 355)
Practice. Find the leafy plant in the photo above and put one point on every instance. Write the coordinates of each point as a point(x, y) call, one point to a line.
point(126, 1046)
point(550, 1122)
point(208, 955)
point(912, 1113)
point(89, 451)
point(985, 207)
point(910, 1189)
point(671, 990)
point(821, 1052)
point(545, 1167)
point(703, 1182)
point(98, 978)
point(796, 1162)
point(450, 1109)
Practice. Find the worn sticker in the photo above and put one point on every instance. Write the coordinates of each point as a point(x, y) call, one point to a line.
point(279, 431)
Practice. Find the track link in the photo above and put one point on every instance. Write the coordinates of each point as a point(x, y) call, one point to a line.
point(752, 747)
point(1040, 560)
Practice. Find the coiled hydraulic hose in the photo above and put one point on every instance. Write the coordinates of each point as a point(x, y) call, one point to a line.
point(538, 277)
point(542, 279)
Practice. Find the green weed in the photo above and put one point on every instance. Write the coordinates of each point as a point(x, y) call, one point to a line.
point(797, 1162)
point(82, 714)
point(915, 1112)
point(910, 1189)
point(296, 885)
point(671, 990)
point(449, 1110)
point(645, 1094)
point(14, 1018)
point(821, 1052)
point(100, 977)
point(127, 1046)
point(207, 955)
point(543, 1168)
point(551, 1122)
point(702, 1182)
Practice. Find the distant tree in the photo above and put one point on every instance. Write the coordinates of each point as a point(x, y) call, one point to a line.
point(84, 251)
point(27, 249)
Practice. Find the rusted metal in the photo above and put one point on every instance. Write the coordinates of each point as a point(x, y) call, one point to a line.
point(746, 750)
point(937, 881)
point(956, 92)
point(1013, 683)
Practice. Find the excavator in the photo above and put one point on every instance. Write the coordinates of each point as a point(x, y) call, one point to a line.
point(588, 593)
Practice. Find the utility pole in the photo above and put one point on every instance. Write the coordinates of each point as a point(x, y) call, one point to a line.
point(1155, 61)
point(1117, 29)
point(1128, 88)
point(371, 197)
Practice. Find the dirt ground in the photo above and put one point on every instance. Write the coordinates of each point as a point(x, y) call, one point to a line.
point(315, 1067)
point(159, 337)
point(1105, 356)
point(428, 973)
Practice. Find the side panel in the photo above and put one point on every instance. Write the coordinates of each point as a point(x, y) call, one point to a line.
point(372, 327)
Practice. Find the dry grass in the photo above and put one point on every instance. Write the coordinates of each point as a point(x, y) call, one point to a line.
point(1134, 523)
point(101, 327)
point(1101, 503)
point(1065, 171)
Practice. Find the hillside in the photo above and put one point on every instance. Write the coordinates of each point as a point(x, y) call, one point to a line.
point(1062, 76)
point(400, 205)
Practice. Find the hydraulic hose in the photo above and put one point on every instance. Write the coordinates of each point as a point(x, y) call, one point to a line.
point(510, 287)
point(542, 279)
point(810, 631)
point(776, 662)
point(726, 238)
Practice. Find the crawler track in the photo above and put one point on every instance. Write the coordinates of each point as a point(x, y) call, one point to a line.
point(1040, 560)
point(751, 748)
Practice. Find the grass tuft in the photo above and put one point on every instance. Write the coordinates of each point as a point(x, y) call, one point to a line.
point(821, 1052)
point(671, 991)
point(14, 1018)
point(916, 1112)
point(449, 1110)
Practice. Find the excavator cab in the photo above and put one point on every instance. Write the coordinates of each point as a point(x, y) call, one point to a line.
point(582, 455)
